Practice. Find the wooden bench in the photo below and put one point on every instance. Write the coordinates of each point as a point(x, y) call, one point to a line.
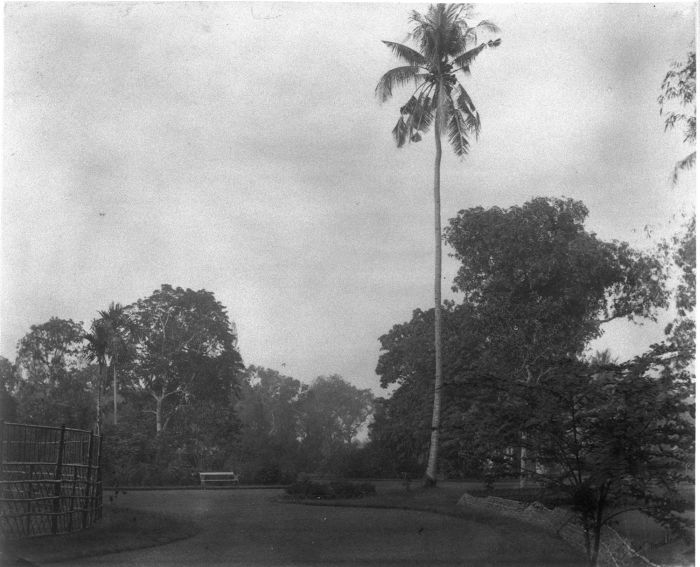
point(218, 479)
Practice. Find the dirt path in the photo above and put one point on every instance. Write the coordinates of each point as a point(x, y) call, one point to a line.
point(248, 528)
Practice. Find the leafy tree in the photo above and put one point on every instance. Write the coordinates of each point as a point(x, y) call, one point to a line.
point(406, 360)
point(50, 350)
point(399, 433)
point(8, 385)
point(539, 276)
point(52, 384)
point(69, 402)
point(331, 412)
point(9, 378)
point(447, 45)
point(129, 454)
point(614, 437)
point(203, 435)
point(681, 331)
point(186, 348)
point(678, 91)
point(538, 287)
point(268, 410)
point(543, 286)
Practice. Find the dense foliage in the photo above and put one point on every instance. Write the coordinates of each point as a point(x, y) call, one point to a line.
point(185, 401)
point(521, 399)
point(537, 288)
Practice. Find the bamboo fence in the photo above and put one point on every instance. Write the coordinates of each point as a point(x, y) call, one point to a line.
point(50, 480)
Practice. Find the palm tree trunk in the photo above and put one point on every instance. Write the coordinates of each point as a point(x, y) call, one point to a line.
point(114, 389)
point(431, 470)
point(100, 370)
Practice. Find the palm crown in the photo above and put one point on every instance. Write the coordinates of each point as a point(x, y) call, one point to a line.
point(447, 45)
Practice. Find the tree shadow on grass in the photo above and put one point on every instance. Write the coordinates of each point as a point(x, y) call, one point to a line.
point(120, 529)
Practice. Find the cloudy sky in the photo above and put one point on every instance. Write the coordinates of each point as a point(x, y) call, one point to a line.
point(239, 148)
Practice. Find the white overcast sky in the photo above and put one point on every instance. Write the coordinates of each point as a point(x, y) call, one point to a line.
point(239, 148)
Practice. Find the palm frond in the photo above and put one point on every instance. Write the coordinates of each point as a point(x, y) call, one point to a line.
point(97, 342)
point(489, 26)
point(405, 53)
point(397, 77)
point(686, 163)
point(419, 116)
point(429, 30)
point(457, 131)
point(466, 106)
point(424, 116)
point(473, 121)
point(464, 95)
point(400, 132)
point(470, 36)
point(464, 61)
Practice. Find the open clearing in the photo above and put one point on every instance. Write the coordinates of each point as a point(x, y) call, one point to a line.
point(250, 527)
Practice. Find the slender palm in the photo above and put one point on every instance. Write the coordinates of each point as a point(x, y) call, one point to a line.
point(447, 44)
point(120, 329)
point(96, 350)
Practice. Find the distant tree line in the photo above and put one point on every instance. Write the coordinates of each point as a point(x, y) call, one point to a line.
point(164, 381)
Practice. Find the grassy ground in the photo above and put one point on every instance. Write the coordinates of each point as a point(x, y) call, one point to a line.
point(639, 528)
point(442, 500)
point(120, 529)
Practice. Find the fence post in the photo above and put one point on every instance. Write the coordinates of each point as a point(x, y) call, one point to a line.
point(88, 486)
point(2, 447)
point(98, 487)
point(72, 497)
point(57, 485)
point(27, 494)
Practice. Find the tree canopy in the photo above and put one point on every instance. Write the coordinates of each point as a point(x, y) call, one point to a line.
point(447, 44)
point(49, 350)
point(186, 348)
point(677, 104)
point(541, 285)
point(538, 287)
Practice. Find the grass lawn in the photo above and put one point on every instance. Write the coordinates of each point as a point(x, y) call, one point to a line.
point(641, 529)
point(441, 499)
point(518, 543)
point(120, 529)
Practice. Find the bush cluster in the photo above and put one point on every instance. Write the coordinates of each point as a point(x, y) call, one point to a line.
point(308, 489)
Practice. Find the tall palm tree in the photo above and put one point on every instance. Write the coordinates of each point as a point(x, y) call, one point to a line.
point(96, 350)
point(120, 330)
point(447, 44)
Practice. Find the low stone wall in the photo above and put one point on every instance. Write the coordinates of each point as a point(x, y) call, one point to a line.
point(615, 551)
